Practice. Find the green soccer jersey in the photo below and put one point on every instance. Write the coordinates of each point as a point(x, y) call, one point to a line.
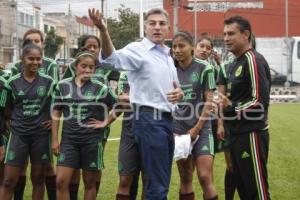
point(123, 87)
point(79, 105)
point(3, 96)
point(101, 74)
point(30, 103)
point(3, 92)
point(49, 67)
point(247, 82)
point(4, 75)
point(194, 81)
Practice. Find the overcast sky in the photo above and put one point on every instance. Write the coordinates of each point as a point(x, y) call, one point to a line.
point(79, 7)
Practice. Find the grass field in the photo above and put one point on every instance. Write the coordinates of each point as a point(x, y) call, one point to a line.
point(284, 160)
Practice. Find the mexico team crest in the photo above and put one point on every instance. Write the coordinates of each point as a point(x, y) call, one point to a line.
point(89, 94)
point(41, 91)
point(238, 72)
point(194, 77)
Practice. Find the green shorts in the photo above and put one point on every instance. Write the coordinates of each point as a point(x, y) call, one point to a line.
point(129, 161)
point(205, 143)
point(19, 147)
point(86, 156)
point(106, 133)
point(5, 137)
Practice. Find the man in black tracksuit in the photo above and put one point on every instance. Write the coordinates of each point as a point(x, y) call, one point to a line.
point(245, 110)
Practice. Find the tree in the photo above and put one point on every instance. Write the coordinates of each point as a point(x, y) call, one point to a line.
point(79, 41)
point(124, 30)
point(52, 43)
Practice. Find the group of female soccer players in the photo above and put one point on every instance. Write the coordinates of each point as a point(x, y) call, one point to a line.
point(33, 100)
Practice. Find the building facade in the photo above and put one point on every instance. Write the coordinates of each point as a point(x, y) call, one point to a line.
point(16, 17)
point(7, 30)
point(268, 21)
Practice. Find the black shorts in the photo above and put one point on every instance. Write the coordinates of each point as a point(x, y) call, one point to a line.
point(129, 164)
point(86, 156)
point(5, 137)
point(106, 133)
point(205, 143)
point(19, 147)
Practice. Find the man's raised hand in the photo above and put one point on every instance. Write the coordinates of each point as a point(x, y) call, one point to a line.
point(97, 17)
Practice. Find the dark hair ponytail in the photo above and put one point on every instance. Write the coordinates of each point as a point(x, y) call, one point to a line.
point(186, 36)
point(84, 52)
point(205, 36)
point(85, 38)
point(28, 46)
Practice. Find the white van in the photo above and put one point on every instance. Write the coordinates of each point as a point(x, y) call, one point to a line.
point(283, 56)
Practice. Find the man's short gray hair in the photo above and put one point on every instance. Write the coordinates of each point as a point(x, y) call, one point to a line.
point(155, 11)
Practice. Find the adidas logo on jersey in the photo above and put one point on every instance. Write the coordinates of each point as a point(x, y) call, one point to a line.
point(61, 157)
point(20, 93)
point(204, 148)
point(45, 157)
point(245, 154)
point(93, 164)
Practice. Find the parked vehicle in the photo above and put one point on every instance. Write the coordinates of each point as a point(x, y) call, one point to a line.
point(8, 67)
point(277, 78)
point(63, 63)
point(283, 56)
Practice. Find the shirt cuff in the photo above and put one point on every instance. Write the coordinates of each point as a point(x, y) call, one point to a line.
point(111, 57)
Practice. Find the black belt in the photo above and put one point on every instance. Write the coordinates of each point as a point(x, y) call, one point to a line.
point(155, 111)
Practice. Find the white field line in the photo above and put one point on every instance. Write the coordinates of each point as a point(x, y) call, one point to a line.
point(113, 139)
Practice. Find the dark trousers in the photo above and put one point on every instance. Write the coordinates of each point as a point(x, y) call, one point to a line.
point(155, 142)
point(249, 153)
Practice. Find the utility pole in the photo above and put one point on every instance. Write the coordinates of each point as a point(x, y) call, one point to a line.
point(102, 7)
point(141, 19)
point(69, 32)
point(288, 45)
point(175, 16)
point(104, 11)
point(195, 21)
point(16, 41)
point(286, 18)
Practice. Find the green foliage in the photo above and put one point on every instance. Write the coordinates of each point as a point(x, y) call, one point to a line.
point(124, 30)
point(52, 43)
point(75, 51)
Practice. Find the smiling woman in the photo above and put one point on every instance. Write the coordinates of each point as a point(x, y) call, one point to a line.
point(49, 66)
point(81, 147)
point(28, 101)
point(32, 60)
point(197, 81)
